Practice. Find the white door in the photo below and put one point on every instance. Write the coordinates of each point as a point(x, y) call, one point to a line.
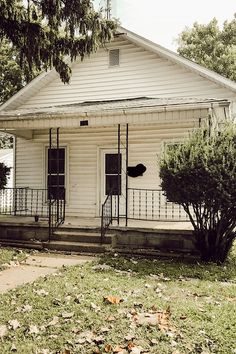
point(113, 179)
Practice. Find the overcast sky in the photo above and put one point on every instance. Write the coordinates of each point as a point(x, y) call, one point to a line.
point(162, 20)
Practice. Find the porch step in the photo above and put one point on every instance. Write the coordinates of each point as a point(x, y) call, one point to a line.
point(79, 236)
point(21, 244)
point(80, 247)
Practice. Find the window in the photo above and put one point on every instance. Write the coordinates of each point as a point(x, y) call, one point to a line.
point(56, 172)
point(114, 57)
point(112, 174)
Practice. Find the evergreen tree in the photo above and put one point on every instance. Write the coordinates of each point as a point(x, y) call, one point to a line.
point(45, 32)
point(210, 46)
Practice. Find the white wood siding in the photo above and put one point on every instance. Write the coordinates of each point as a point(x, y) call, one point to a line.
point(140, 73)
point(83, 150)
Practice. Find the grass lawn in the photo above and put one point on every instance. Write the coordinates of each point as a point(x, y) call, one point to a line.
point(150, 306)
point(10, 256)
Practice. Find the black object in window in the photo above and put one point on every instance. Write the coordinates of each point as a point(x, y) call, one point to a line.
point(136, 171)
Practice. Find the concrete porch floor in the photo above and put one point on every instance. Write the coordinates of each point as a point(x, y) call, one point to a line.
point(77, 222)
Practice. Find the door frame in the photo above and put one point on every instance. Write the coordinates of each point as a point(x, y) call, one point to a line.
point(101, 175)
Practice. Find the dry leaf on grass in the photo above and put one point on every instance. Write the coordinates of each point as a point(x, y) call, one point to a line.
point(41, 292)
point(33, 329)
point(54, 321)
point(159, 318)
point(13, 348)
point(14, 324)
point(3, 331)
point(108, 348)
point(67, 315)
point(112, 299)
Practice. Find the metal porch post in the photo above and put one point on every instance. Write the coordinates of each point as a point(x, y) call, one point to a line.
point(118, 178)
point(126, 175)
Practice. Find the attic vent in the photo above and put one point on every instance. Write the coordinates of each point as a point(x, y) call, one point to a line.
point(114, 57)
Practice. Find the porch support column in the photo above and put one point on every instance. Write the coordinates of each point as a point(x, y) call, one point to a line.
point(118, 178)
point(126, 175)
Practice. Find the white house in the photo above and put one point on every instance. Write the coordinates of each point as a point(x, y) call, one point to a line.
point(151, 94)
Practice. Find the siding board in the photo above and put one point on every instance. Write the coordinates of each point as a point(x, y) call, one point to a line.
point(141, 73)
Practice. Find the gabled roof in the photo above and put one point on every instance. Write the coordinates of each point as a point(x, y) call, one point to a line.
point(45, 77)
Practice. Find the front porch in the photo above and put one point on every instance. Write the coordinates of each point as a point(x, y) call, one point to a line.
point(84, 235)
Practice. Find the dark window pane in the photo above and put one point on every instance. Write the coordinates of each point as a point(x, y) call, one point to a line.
point(55, 166)
point(111, 164)
point(54, 180)
point(56, 193)
point(112, 185)
point(56, 153)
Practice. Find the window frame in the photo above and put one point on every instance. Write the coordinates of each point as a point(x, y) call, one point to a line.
point(46, 175)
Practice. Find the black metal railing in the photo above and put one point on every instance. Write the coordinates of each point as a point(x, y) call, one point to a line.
point(152, 204)
point(56, 212)
point(34, 202)
point(106, 218)
point(24, 202)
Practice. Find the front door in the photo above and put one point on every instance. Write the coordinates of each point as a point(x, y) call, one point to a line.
point(113, 179)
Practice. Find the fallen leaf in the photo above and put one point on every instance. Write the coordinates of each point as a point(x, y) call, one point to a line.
point(108, 348)
point(66, 351)
point(54, 321)
point(104, 329)
point(67, 315)
point(112, 299)
point(13, 348)
point(99, 339)
point(14, 324)
point(110, 318)
point(96, 351)
point(130, 345)
point(95, 307)
point(118, 349)
point(25, 308)
point(3, 331)
point(129, 337)
point(33, 329)
point(154, 341)
point(159, 318)
point(136, 350)
point(41, 292)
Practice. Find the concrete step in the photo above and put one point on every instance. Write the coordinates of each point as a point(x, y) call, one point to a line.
point(79, 236)
point(79, 247)
point(21, 244)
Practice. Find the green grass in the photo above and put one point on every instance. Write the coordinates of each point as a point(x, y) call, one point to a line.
point(10, 255)
point(202, 301)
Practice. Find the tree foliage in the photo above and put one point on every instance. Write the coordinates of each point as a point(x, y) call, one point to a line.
point(200, 174)
point(45, 32)
point(210, 46)
point(12, 77)
point(4, 173)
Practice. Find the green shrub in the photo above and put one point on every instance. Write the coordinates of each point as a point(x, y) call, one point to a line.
point(200, 174)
